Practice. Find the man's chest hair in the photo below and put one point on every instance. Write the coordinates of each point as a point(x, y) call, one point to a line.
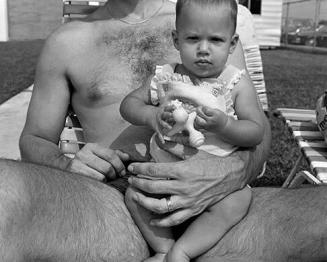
point(125, 60)
point(141, 49)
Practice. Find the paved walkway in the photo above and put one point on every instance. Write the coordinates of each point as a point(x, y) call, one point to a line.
point(12, 120)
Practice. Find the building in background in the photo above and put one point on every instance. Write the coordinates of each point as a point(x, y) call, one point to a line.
point(267, 16)
point(3, 20)
point(29, 19)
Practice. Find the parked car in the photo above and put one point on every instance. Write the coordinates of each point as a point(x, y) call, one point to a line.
point(321, 36)
point(293, 38)
point(306, 36)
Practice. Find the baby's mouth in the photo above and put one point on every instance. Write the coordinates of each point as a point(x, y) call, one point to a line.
point(203, 62)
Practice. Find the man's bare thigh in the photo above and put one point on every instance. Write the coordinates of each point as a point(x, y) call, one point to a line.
point(51, 215)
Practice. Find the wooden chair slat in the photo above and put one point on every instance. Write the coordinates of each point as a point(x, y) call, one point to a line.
point(254, 66)
point(307, 135)
point(303, 127)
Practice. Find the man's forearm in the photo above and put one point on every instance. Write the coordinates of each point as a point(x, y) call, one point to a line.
point(38, 150)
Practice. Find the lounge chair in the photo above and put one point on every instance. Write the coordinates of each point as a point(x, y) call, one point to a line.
point(77, 9)
point(303, 127)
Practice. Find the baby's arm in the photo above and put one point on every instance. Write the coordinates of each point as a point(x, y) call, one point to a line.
point(137, 109)
point(248, 130)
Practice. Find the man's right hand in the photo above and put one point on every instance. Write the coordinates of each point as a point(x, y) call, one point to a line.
point(99, 162)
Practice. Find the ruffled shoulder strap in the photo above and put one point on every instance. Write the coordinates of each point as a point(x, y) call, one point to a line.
point(231, 76)
point(165, 69)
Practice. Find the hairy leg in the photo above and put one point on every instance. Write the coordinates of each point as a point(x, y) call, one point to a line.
point(51, 215)
point(282, 225)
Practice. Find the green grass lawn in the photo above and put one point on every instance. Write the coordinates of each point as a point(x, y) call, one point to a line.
point(17, 66)
point(293, 79)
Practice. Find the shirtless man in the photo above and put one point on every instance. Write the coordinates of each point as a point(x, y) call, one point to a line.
point(52, 215)
point(92, 66)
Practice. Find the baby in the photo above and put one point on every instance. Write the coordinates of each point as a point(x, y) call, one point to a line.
point(204, 36)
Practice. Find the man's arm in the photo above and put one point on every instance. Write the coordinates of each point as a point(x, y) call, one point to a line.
point(47, 108)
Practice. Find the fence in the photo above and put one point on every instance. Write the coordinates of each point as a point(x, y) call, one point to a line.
point(304, 22)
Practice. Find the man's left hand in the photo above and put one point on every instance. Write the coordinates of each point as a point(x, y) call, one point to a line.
point(193, 185)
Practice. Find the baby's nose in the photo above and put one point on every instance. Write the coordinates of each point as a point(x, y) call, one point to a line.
point(203, 47)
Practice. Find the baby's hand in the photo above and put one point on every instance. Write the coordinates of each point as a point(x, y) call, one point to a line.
point(164, 120)
point(212, 120)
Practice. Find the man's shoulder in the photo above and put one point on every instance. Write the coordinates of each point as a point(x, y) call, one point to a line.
point(72, 33)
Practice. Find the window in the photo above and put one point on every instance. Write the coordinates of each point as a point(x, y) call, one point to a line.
point(253, 5)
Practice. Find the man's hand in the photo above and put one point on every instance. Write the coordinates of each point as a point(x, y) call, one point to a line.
point(99, 162)
point(194, 184)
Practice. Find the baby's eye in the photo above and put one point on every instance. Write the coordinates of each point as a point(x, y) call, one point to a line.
point(192, 38)
point(216, 39)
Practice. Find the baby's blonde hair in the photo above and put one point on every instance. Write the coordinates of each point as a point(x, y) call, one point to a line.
point(231, 4)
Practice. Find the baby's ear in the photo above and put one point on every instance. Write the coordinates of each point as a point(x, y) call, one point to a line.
point(174, 35)
point(234, 42)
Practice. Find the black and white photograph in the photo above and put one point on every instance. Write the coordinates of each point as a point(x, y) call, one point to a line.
point(163, 130)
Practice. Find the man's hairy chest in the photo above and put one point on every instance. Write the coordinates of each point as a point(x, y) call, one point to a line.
point(123, 62)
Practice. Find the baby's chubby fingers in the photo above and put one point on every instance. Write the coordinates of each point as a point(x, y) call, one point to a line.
point(167, 114)
point(205, 112)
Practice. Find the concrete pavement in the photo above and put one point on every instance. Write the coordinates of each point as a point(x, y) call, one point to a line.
point(12, 120)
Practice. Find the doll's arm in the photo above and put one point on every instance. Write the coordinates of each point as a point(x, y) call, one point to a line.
point(185, 121)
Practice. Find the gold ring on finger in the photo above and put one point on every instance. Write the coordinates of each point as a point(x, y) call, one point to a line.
point(168, 203)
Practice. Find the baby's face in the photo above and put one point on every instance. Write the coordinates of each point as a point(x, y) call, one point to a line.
point(204, 38)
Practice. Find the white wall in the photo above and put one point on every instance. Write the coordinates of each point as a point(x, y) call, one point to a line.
point(33, 19)
point(268, 24)
point(3, 21)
